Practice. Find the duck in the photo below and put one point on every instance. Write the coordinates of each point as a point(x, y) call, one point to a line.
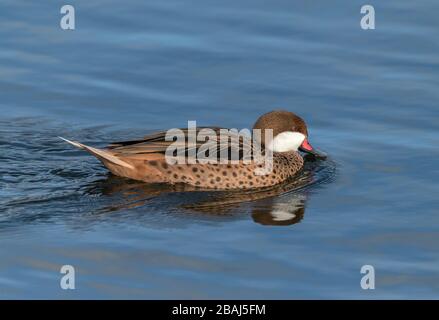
point(147, 159)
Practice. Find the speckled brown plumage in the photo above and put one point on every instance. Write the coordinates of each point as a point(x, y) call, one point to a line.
point(215, 176)
point(144, 160)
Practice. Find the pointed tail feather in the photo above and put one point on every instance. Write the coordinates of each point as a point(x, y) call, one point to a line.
point(99, 153)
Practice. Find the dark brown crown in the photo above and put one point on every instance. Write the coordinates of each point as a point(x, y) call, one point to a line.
point(280, 121)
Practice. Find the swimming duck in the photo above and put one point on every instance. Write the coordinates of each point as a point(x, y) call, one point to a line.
point(146, 159)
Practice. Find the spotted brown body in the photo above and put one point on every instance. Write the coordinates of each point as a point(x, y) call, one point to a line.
point(145, 159)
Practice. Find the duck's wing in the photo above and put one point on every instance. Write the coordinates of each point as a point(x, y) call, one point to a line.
point(230, 141)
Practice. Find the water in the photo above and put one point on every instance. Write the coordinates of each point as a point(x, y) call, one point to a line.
point(370, 100)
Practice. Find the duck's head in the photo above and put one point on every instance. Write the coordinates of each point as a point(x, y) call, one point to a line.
point(289, 133)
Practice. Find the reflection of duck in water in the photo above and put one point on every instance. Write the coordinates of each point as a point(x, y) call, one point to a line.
point(282, 213)
point(281, 205)
point(268, 207)
point(146, 160)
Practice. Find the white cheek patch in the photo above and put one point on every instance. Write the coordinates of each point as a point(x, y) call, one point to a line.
point(286, 141)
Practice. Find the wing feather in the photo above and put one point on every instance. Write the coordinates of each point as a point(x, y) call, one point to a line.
point(156, 143)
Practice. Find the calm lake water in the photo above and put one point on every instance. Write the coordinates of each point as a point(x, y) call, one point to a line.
point(370, 98)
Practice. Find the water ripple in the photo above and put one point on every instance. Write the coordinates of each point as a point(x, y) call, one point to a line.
point(45, 180)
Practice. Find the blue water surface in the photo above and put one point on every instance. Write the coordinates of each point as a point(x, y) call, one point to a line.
point(370, 98)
